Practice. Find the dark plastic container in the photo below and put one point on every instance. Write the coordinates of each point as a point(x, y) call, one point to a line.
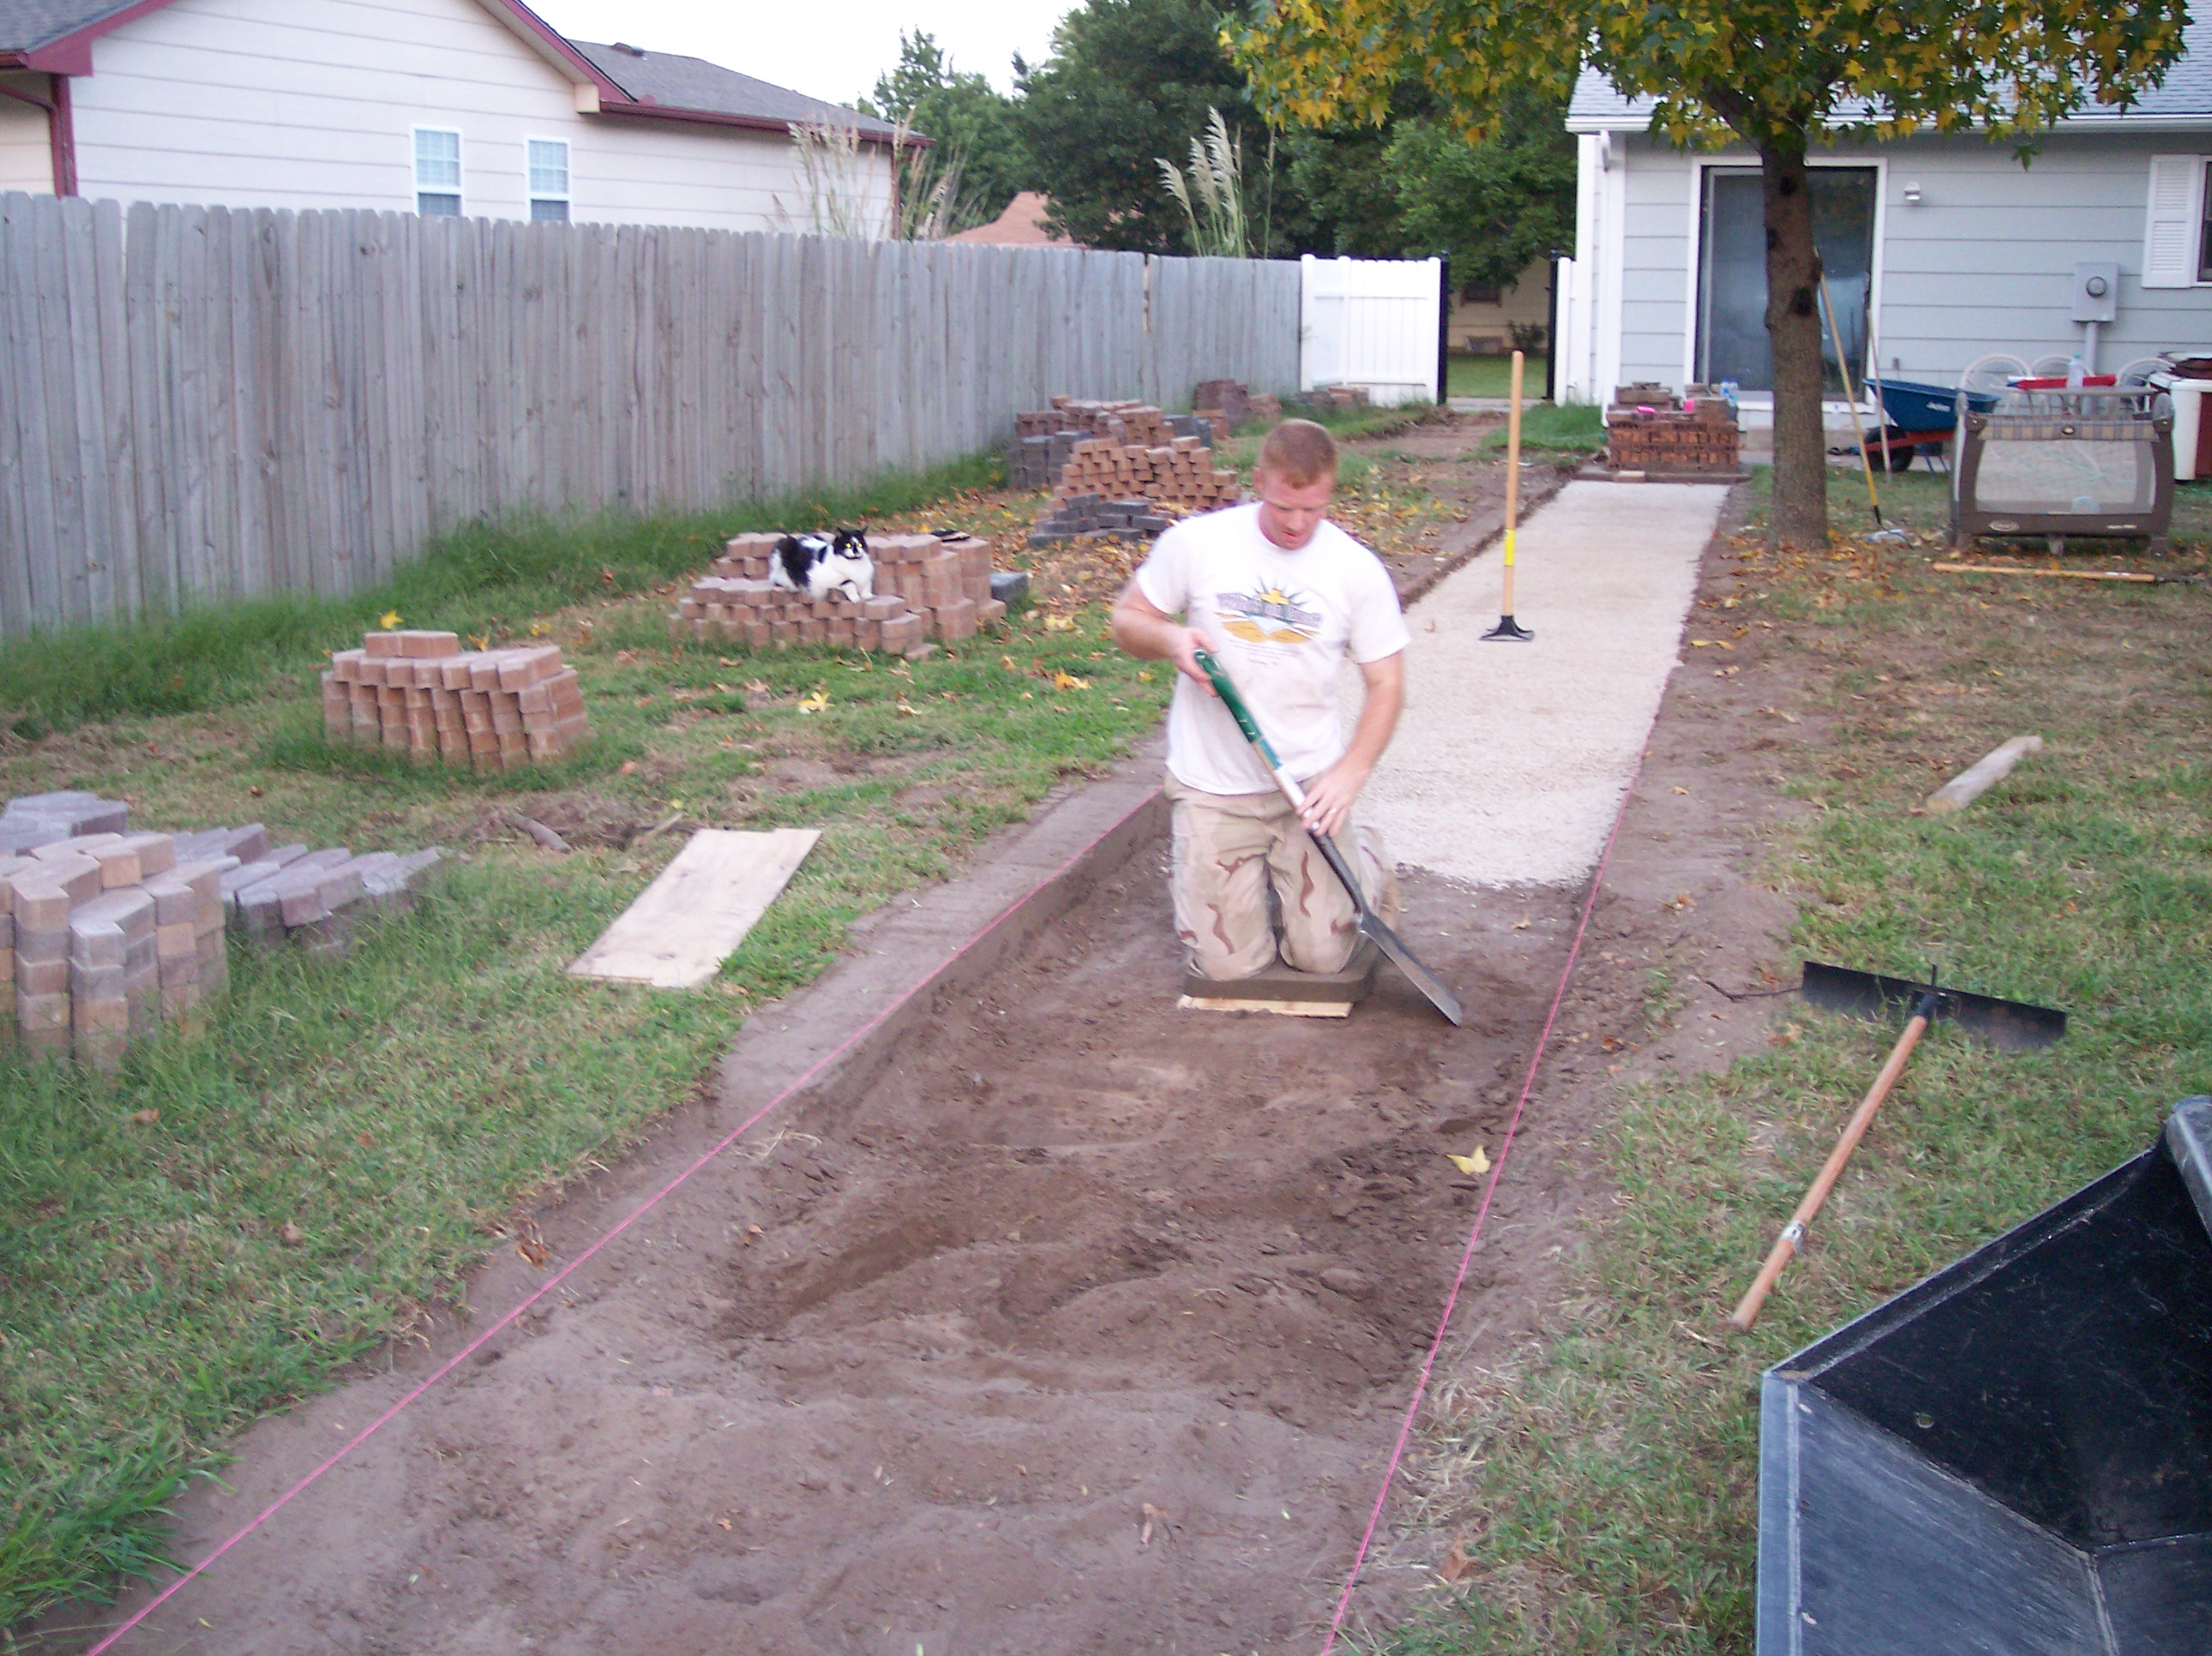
point(2013, 1458)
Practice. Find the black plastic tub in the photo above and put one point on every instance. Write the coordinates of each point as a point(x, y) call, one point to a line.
point(2013, 1458)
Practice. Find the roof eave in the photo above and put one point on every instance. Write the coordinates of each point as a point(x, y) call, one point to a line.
point(2090, 120)
point(640, 110)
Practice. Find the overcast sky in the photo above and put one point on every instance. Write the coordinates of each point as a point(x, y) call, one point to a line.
point(831, 49)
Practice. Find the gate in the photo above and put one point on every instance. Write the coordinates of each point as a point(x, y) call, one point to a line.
point(1372, 322)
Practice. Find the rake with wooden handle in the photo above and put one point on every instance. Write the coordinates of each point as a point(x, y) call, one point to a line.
point(2004, 1023)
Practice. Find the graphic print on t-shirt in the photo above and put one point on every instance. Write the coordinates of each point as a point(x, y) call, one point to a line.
point(1247, 615)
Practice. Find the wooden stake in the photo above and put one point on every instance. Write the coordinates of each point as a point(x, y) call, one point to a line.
point(1978, 777)
point(2061, 575)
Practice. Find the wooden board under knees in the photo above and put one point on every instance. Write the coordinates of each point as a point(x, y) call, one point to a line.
point(1286, 993)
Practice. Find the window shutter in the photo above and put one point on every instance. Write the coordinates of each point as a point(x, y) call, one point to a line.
point(2176, 222)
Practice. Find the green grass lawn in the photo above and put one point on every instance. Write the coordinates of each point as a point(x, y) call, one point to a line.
point(210, 1232)
point(1467, 375)
point(1604, 1483)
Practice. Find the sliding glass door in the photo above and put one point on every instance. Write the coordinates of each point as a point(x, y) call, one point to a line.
point(1732, 272)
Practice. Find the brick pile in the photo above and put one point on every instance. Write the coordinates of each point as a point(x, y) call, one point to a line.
point(1649, 428)
point(273, 895)
point(1124, 489)
point(1226, 404)
point(420, 694)
point(107, 936)
point(926, 586)
point(1045, 439)
point(110, 938)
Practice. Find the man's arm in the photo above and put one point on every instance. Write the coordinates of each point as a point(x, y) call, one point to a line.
point(1329, 796)
point(1150, 634)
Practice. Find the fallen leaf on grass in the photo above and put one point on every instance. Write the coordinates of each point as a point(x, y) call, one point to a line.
point(815, 703)
point(363, 1139)
point(483, 641)
point(388, 620)
point(1065, 680)
point(1059, 623)
point(903, 706)
point(1456, 1564)
point(146, 1117)
point(1470, 1165)
point(628, 767)
point(291, 1235)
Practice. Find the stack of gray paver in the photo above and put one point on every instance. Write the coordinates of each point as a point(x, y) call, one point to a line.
point(107, 936)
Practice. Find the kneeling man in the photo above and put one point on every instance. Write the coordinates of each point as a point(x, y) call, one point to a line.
point(1279, 595)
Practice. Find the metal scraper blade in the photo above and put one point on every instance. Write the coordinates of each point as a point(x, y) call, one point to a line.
point(2012, 1025)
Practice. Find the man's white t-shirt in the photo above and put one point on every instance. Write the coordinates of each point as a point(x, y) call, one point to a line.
point(1281, 622)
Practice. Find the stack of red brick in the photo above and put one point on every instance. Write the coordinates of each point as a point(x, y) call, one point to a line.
point(1180, 472)
point(1120, 423)
point(420, 694)
point(926, 586)
point(1649, 428)
point(1226, 404)
point(108, 937)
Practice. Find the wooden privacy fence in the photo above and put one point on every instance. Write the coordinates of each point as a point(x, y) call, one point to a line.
point(202, 404)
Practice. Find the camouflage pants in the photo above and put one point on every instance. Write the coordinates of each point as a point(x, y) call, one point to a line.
point(1232, 850)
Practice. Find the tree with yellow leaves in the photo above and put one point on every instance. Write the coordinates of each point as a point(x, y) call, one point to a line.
point(1779, 74)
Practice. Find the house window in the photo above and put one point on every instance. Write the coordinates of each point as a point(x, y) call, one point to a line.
point(437, 173)
point(2204, 239)
point(548, 180)
point(1732, 341)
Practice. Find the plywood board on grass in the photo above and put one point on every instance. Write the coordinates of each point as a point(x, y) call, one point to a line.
point(689, 921)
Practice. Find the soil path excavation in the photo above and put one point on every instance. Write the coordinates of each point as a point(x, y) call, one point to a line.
point(1067, 1322)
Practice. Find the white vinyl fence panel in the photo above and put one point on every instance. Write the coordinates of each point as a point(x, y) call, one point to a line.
point(1371, 322)
point(202, 404)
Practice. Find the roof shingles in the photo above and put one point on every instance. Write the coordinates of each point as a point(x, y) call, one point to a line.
point(28, 24)
point(678, 84)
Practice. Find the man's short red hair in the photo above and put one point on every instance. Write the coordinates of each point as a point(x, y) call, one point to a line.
point(1299, 453)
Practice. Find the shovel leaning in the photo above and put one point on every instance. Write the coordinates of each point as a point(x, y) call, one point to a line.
point(1371, 923)
point(2009, 1025)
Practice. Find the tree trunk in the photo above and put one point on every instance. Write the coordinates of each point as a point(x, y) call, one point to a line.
point(1799, 516)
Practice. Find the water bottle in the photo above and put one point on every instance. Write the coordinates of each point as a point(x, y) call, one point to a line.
point(2076, 371)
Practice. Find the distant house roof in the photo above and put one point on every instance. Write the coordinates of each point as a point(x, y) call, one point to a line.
point(2184, 101)
point(1022, 225)
point(680, 86)
point(56, 36)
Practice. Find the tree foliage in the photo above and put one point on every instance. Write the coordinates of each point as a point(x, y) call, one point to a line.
point(1777, 74)
point(1129, 83)
point(1419, 186)
point(976, 129)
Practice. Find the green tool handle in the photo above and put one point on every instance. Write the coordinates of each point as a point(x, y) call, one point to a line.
point(1227, 691)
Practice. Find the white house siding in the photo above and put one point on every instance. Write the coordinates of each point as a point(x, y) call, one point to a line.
point(26, 158)
point(312, 104)
point(1984, 262)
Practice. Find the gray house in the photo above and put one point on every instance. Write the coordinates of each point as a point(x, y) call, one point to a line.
point(1939, 249)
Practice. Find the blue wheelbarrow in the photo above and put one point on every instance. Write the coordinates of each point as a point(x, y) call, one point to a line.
point(1918, 419)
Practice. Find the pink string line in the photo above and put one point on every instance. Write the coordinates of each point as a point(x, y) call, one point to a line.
point(1467, 1255)
point(639, 1212)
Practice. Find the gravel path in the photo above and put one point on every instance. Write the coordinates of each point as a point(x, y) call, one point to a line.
point(1512, 760)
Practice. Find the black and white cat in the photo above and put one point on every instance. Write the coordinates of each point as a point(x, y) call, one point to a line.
point(819, 567)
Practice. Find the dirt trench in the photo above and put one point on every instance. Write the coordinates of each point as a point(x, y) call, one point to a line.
point(1085, 1327)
